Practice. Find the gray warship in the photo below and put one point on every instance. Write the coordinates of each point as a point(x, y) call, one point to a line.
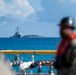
point(17, 33)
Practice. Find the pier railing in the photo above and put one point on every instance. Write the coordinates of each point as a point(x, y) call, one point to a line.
point(39, 64)
point(28, 51)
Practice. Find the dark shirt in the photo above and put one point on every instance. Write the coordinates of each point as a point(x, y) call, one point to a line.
point(69, 60)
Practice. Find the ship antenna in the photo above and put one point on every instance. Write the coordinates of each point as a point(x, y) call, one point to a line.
point(17, 29)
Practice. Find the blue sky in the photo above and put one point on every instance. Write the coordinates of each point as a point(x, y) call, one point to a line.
point(39, 17)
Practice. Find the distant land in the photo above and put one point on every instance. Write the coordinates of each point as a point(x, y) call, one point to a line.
point(29, 36)
point(33, 36)
point(18, 35)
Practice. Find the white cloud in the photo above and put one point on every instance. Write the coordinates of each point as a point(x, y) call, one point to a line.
point(16, 8)
point(73, 1)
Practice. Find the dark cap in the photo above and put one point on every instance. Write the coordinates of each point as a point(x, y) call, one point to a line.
point(68, 22)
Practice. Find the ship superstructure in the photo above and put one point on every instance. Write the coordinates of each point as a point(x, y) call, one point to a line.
point(17, 33)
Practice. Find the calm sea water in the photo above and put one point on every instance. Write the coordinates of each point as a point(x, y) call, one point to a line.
point(30, 44)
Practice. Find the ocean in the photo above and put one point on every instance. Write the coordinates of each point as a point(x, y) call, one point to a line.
point(30, 44)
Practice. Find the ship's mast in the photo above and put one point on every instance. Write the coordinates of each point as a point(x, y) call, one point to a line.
point(17, 33)
point(17, 29)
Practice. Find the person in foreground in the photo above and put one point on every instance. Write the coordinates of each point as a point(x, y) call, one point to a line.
point(65, 62)
point(5, 68)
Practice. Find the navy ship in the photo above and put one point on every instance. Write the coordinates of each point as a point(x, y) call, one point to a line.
point(17, 34)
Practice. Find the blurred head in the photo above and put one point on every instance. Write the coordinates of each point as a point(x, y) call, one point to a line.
point(66, 27)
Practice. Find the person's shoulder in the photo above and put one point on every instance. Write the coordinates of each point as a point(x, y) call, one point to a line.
point(73, 42)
